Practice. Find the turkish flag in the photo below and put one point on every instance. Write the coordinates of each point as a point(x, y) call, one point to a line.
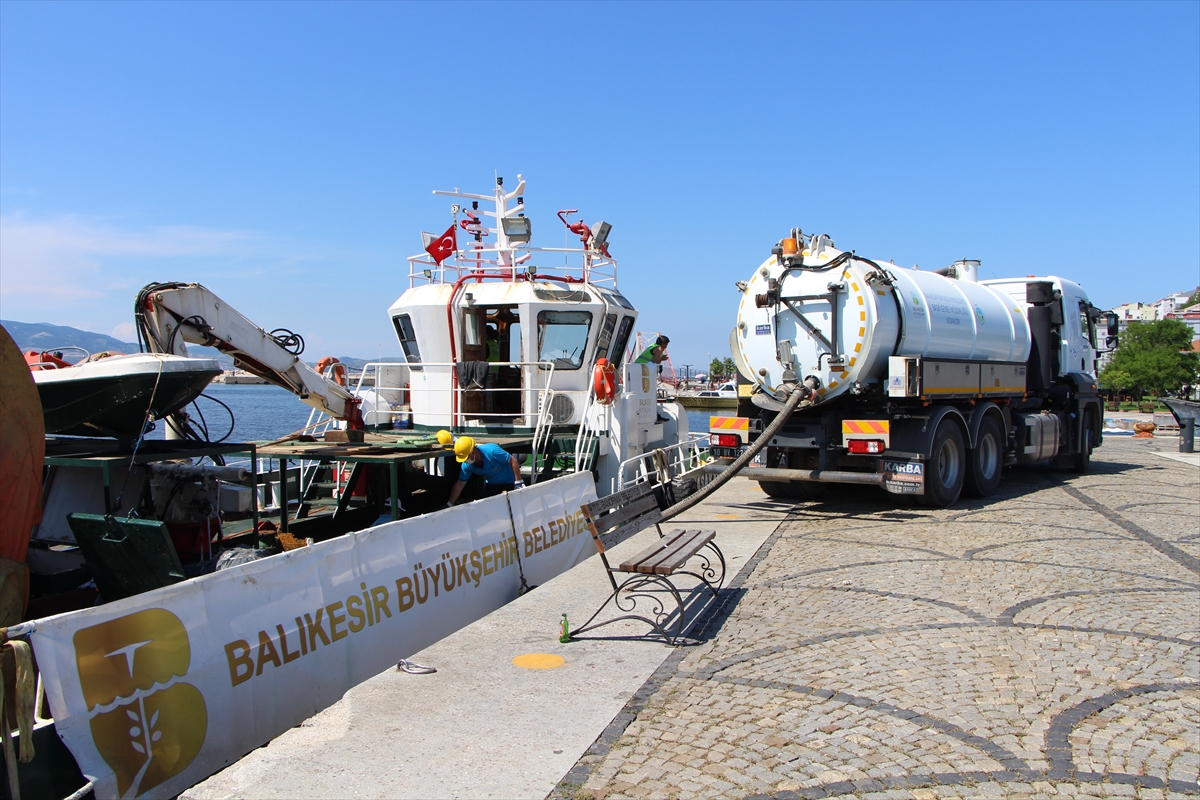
point(441, 247)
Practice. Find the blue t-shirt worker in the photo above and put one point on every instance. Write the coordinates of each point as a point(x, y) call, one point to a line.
point(500, 470)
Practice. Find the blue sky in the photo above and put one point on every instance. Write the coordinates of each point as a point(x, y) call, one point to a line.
point(284, 154)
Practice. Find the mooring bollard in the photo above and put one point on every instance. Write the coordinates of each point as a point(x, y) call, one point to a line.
point(1187, 435)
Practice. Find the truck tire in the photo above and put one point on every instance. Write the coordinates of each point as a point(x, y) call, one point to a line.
point(794, 490)
point(986, 462)
point(1083, 459)
point(946, 468)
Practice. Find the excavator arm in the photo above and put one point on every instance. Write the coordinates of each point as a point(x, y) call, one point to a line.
point(171, 315)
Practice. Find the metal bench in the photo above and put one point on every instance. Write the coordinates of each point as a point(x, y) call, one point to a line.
point(649, 574)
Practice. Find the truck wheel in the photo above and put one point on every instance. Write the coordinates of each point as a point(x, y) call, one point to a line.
point(1083, 459)
point(986, 461)
point(946, 468)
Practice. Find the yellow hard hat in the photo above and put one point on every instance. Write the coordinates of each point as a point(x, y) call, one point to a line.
point(445, 437)
point(463, 448)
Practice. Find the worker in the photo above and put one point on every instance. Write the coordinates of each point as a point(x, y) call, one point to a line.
point(655, 353)
point(501, 471)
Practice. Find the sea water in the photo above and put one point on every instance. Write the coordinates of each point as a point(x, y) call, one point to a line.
point(255, 413)
point(264, 412)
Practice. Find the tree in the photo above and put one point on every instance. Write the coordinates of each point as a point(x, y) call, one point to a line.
point(1191, 301)
point(716, 370)
point(729, 367)
point(1153, 357)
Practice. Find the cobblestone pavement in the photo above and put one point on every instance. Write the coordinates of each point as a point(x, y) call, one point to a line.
point(1043, 642)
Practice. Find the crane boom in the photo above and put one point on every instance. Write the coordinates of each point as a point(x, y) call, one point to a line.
point(169, 315)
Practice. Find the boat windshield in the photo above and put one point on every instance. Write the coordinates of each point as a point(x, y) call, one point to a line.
point(562, 335)
point(408, 340)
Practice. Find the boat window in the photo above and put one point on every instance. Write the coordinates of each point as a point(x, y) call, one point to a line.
point(617, 354)
point(620, 298)
point(562, 335)
point(562, 295)
point(408, 340)
point(471, 330)
point(602, 341)
point(514, 342)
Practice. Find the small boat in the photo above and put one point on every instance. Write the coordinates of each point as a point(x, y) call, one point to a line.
point(724, 396)
point(116, 395)
point(1182, 409)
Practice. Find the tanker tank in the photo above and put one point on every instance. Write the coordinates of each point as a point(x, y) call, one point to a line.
point(818, 311)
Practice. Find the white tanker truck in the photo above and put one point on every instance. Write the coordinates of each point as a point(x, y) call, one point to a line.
point(923, 383)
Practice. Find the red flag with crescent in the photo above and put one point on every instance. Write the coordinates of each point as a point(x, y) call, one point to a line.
point(440, 247)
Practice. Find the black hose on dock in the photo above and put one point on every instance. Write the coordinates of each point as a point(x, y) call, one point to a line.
point(798, 395)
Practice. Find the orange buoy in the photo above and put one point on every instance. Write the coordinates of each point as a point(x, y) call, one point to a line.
point(339, 369)
point(604, 382)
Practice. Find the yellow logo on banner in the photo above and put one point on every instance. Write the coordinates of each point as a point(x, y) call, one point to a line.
point(645, 379)
point(145, 727)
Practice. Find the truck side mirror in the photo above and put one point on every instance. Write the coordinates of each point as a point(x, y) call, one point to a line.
point(1113, 324)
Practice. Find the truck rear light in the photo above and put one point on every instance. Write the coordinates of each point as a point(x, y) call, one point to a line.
point(866, 447)
point(725, 440)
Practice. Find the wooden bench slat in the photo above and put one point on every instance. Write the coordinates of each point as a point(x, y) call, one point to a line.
point(608, 531)
point(680, 556)
point(619, 517)
point(615, 537)
point(669, 553)
point(598, 507)
point(665, 543)
point(646, 506)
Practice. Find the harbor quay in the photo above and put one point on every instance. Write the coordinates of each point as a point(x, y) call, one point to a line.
point(1043, 642)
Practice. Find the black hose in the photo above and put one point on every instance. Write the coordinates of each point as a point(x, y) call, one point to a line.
point(799, 394)
point(228, 410)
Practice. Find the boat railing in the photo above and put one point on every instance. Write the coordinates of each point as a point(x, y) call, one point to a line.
point(451, 401)
point(589, 433)
point(662, 464)
point(513, 264)
point(541, 437)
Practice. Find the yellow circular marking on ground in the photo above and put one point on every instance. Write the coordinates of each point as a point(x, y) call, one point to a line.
point(539, 661)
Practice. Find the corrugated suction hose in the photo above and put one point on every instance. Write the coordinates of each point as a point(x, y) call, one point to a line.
point(799, 394)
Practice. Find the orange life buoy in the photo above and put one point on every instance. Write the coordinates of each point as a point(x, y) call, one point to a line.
point(604, 382)
point(339, 369)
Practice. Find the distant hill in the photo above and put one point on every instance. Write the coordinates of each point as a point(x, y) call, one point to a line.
point(44, 336)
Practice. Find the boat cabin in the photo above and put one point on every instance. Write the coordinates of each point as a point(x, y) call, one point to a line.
point(494, 339)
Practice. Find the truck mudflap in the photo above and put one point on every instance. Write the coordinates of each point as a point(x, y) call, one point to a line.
point(902, 476)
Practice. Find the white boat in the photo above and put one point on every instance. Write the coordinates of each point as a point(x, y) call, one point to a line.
point(504, 339)
point(117, 395)
point(724, 396)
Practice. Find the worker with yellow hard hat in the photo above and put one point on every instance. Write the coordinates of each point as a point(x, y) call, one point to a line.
point(501, 471)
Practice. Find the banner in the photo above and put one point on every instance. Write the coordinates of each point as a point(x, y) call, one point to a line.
point(156, 692)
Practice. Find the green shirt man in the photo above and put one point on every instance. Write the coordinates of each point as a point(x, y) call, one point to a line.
point(655, 353)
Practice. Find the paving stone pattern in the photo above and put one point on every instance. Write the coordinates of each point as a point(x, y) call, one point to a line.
point(1044, 642)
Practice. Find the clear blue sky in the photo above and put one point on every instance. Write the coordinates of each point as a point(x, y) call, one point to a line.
point(284, 154)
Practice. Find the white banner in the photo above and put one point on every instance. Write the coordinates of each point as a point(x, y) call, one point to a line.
point(155, 692)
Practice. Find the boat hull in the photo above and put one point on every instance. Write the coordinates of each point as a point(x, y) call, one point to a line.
point(706, 402)
point(114, 398)
point(1183, 409)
